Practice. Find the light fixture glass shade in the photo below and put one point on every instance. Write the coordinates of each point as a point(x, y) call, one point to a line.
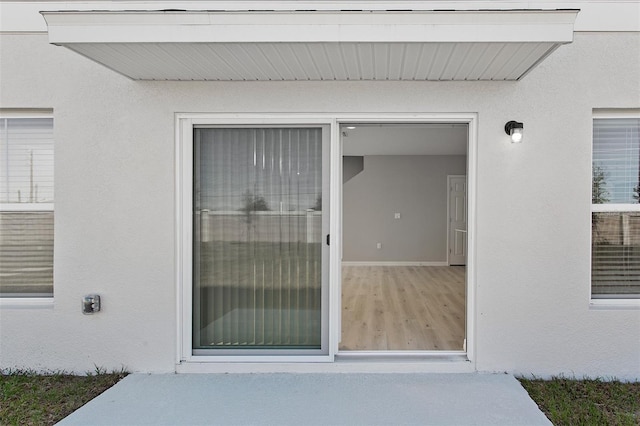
point(514, 129)
point(516, 135)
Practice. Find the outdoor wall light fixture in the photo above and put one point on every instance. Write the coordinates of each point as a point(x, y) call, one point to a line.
point(514, 129)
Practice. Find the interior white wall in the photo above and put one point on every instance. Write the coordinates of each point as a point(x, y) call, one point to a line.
point(414, 186)
point(115, 142)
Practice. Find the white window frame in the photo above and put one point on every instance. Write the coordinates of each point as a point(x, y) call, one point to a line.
point(613, 303)
point(28, 302)
point(430, 361)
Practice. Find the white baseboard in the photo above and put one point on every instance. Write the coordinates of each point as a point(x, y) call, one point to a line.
point(392, 263)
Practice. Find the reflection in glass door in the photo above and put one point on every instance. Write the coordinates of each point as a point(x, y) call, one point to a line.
point(258, 230)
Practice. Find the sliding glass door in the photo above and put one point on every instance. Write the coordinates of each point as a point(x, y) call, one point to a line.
point(260, 258)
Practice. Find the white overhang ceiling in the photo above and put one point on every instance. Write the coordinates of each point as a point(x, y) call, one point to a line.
point(314, 45)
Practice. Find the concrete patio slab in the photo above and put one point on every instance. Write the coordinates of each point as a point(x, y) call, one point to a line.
point(312, 399)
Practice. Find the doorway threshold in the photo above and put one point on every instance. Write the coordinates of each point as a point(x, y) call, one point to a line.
point(404, 361)
point(348, 362)
point(419, 356)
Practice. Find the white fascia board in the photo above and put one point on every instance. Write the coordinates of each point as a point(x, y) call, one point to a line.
point(538, 26)
point(595, 15)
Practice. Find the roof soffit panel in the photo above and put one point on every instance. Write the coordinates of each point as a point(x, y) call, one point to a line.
point(439, 45)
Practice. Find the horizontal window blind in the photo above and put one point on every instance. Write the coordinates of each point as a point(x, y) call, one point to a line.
point(26, 207)
point(26, 254)
point(615, 234)
point(26, 156)
point(616, 160)
point(615, 254)
point(257, 238)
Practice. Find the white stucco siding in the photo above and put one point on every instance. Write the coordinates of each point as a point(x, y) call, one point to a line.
point(113, 216)
point(533, 219)
point(115, 203)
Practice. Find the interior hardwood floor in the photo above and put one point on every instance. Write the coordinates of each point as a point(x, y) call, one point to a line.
point(403, 308)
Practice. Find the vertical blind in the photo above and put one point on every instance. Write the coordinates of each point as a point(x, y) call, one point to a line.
point(257, 238)
point(615, 251)
point(26, 207)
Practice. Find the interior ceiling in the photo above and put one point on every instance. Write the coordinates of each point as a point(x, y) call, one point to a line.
point(405, 139)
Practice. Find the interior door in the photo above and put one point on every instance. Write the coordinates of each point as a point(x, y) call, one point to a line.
point(260, 259)
point(457, 220)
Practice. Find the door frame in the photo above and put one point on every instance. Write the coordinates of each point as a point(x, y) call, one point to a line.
point(471, 119)
point(184, 123)
point(449, 243)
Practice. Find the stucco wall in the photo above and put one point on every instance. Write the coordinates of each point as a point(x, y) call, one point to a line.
point(414, 186)
point(114, 231)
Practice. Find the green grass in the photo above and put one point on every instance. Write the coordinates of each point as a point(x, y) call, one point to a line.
point(586, 402)
point(29, 398)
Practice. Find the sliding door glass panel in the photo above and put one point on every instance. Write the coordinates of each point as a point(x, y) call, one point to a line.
point(257, 242)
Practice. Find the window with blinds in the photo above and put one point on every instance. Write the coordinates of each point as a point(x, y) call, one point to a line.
point(26, 207)
point(615, 212)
